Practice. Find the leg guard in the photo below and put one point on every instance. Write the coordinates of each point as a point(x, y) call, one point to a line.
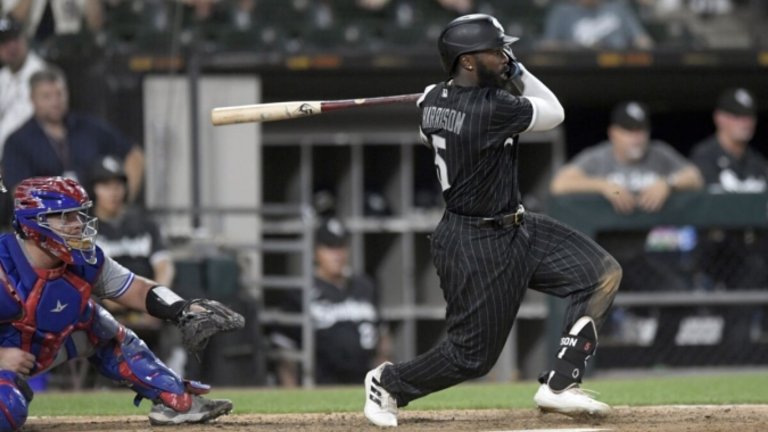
point(15, 396)
point(576, 348)
point(123, 357)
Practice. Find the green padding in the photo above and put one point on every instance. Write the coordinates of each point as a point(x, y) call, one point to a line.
point(222, 276)
point(188, 281)
point(592, 214)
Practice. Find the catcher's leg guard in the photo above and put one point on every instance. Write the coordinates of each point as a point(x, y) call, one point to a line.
point(123, 357)
point(15, 396)
point(576, 348)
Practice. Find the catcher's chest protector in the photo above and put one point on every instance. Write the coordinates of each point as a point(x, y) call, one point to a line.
point(39, 309)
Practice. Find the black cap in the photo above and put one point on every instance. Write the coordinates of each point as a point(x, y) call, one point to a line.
point(107, 168)
point(738, 101)
point(9, 29)
point(331, 233)
point(631, 115)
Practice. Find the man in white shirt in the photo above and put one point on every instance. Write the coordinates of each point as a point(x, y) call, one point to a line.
point(19, 63)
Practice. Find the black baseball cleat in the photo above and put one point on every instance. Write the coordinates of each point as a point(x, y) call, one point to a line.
point(202, 410)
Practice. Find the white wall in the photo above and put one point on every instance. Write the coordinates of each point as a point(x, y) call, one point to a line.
point(230, 155)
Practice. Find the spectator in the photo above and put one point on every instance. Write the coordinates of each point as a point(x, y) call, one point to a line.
point(460, 7)
point(130, 237)
point(725, 159)
point(19, 63)
point(629, 170)
point(57, 142)
point(344, 312)
point(733, 259)
point(634, 174)
point(44, 18)
point(600, 24)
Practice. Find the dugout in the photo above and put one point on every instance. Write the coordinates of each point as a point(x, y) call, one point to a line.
point(679, 80)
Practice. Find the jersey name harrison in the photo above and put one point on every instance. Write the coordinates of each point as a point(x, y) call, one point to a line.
point(442, 118)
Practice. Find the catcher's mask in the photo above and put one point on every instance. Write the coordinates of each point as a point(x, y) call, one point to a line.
point(471, 33)
point(53, 212)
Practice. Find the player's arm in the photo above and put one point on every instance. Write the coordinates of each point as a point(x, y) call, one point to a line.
point(198, 319)
point(571, 180)
point(687, 178)
point(547, 110)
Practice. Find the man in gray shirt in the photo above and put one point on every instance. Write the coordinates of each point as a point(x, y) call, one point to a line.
point(629, 170)
point(594, 24)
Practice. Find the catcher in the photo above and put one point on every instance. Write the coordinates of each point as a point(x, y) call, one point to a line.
point(49, 270)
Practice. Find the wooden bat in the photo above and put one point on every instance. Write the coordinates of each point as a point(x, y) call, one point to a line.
point(290, 110)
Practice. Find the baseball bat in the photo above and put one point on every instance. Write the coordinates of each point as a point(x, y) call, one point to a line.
point(289, 110)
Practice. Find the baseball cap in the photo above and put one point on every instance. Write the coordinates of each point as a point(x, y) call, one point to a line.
point(631, 115)
point(738, 101)
point(107, 168)
point(331, 233)
point(9, 29)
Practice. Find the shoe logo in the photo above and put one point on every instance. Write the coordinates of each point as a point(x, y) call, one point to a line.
point(568, 341)
point(575, 374)
point(59, 307)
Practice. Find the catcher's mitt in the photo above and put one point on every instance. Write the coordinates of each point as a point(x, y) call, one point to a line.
point(202, 318)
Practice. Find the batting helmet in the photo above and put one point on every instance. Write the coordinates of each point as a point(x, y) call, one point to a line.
point(470, 33)
point(38, 198)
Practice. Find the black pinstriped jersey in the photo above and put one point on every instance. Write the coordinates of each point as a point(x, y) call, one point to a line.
point(473, 134)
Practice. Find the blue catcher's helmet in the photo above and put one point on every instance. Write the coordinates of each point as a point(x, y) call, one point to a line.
point(13, 404)
point(53, 212)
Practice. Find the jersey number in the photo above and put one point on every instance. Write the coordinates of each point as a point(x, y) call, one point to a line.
point(438, 144)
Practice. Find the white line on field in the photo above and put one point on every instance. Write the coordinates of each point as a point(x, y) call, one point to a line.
point(554, 430)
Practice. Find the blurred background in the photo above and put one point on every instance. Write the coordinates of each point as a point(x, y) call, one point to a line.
point(237, 206)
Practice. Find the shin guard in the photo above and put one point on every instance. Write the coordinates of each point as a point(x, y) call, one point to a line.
point(576, 348)
point(124, 357)
point(15, 396)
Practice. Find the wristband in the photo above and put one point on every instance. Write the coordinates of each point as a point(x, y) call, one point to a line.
point(163, 303)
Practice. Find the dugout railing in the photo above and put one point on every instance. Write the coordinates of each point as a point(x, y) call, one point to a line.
point(694, 289)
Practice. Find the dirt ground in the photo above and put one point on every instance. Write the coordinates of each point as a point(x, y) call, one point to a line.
point(739, 418)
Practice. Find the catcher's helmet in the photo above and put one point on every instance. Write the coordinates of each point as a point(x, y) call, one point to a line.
point(469, 33)
point(38, 198)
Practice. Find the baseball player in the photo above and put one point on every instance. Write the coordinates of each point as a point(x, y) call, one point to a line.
point(487, 248)
point(48, 272)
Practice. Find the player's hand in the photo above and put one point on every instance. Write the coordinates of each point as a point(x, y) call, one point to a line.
point(653, 197)
point(622, 200)
point(16, 360)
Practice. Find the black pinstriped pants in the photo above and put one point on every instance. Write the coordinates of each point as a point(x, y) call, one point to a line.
point(484, 273)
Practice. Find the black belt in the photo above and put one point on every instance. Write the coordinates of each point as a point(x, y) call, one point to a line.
point(502, 221)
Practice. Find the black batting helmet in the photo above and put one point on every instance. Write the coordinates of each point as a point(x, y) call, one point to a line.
point(469, 33)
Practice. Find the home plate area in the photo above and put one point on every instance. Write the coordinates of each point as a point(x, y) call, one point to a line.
point(701, 418)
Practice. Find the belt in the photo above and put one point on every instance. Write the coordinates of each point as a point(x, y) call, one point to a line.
point(502, 221)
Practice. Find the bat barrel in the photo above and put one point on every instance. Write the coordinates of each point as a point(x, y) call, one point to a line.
point(289, 110)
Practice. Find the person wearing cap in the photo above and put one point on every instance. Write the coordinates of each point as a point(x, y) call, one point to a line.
point(58, 142)
point(630, 170)
point(729, 164)
point(19, 63)
point(133, 239)
point(726, 160)
point(348, 340)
